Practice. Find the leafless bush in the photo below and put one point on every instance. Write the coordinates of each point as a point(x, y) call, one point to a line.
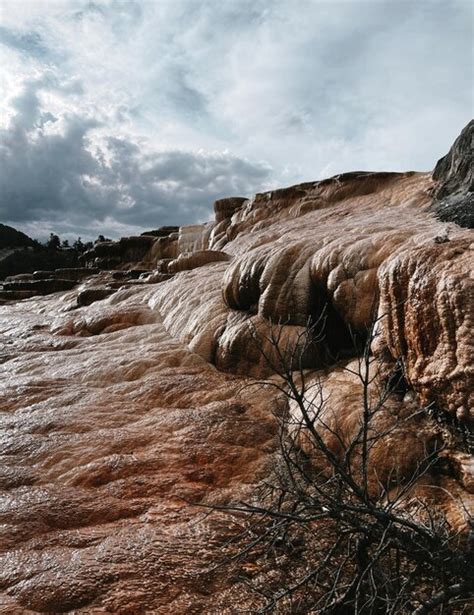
point(345, 539)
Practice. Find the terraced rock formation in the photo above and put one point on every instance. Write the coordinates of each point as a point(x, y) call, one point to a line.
point(121, 414)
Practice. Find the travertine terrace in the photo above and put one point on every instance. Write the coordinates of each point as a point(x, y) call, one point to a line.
point(119, 415)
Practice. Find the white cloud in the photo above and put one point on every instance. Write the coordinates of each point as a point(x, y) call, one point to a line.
point(190, 100)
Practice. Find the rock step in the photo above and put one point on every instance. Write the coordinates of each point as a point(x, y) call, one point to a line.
point(132, 274)
point(123, 284)
point(41, 287)
point(16, 295)
point(20, 277)
point(198, 258)
point(162, 264)
point(72, 273)
point(42, 275)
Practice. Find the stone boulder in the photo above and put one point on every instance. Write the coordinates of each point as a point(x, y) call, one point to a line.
point(91, 295)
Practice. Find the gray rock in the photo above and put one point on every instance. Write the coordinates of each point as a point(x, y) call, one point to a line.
point(454, 193)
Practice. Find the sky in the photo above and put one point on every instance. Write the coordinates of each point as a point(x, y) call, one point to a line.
point(122, 116)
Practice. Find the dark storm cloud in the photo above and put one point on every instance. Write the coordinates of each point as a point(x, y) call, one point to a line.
point(51, 176)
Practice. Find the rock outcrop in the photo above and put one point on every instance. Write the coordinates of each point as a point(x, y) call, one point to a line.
point(332, 248)
point(454, 175)
point(119, 254)
point(198, 258)
point(132, 398)
point(42, 282)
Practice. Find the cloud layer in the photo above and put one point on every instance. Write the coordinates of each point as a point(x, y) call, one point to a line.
point(53, 174)
point(119, 116)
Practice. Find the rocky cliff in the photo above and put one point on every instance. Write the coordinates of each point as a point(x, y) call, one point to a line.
point(124, 411)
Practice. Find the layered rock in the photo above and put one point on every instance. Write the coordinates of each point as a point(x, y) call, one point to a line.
point(224, 209)
point(26, 285)
point(41, 287)
point(119, 254)
point(144, 251)
point(344, 250)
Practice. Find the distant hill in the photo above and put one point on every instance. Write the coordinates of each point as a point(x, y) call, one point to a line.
point(21, 254)
point(11, 238)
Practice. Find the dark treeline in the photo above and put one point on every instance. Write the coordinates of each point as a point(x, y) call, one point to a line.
point(55, 243)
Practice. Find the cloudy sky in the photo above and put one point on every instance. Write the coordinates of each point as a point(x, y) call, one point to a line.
point(117, 116)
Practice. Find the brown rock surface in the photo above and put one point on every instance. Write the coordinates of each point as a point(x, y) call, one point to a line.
point(104, 439)
point(345, 247)
point(116, 421)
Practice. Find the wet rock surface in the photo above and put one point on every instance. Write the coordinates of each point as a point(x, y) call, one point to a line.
point(354, 248)
point(103, 444)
